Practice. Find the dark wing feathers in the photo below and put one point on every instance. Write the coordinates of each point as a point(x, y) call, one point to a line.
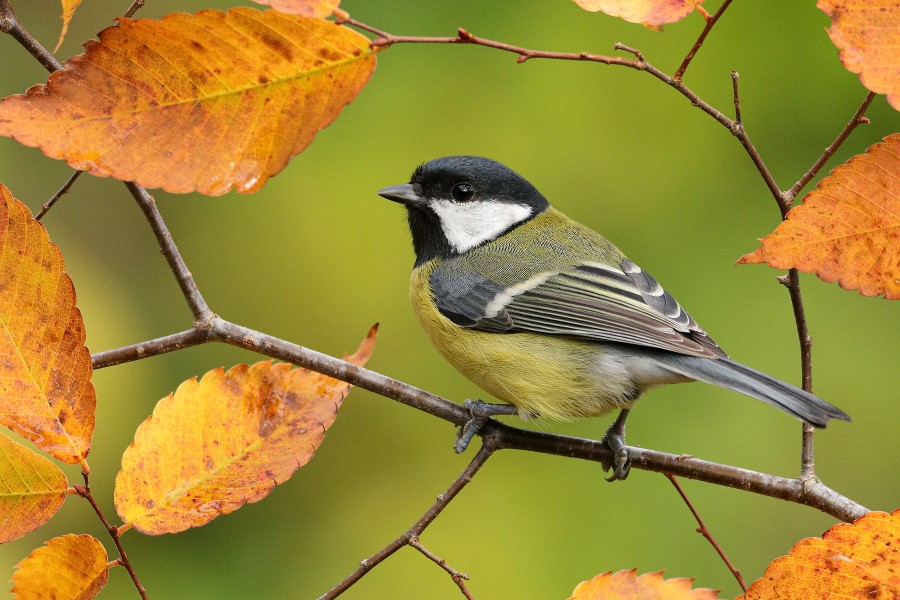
point(590, 301)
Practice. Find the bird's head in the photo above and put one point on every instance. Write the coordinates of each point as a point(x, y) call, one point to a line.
point(458, 203)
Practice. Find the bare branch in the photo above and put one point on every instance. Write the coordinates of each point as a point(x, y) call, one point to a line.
point(705, 532)
point(189, 288)
point(85, 492)
point(65, 188)
point(410, 536)
point(169, 343)
point(809, 493)
point(458, 578)
point(710, 22)
point(858, 119)
point(135, 6)
point(10, 24)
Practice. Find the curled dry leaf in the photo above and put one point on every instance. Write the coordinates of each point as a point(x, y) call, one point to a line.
point(205, 102)
point(314, 9)
point(867, 32)
point(70, 566)
point(858, 560)
point(648, 12)
point(217, 444)
point(68, 9)
point(31, 490)
point(628, 585)
point(46, 394)
point(848, 229)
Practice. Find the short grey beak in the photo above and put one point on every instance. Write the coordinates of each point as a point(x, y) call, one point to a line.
point(404, 193)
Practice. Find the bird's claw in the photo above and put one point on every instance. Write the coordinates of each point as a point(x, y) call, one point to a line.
point(614, 438)
point(621, 463)
point(480, 413)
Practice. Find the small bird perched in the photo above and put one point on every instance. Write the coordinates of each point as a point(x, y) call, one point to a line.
point(548, 315)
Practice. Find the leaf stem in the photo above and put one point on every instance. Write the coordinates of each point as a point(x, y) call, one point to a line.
point(85, 492)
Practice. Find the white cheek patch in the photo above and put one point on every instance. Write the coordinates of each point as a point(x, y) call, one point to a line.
point(469, 224)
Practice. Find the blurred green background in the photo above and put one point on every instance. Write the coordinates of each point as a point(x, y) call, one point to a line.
point(316, 258)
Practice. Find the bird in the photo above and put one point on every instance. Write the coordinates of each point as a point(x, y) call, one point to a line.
point(547, 315)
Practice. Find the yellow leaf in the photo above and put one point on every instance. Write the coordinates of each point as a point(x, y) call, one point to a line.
point(867, 32)
point(68, 9)
point(31, 490)
point(858, 560)
point(205, 102)
point(651, 13)
point(628, 585)
point(314, 9)
point(848, 229)
point(70, 566)
point(217, 444)
point(46, 393)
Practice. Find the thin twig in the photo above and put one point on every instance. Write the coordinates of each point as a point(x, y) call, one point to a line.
point(710, 22)
point(416, 530)
point(85, 492)
point(168, 343)
point(705, 532)
point(739, 131)
point(738, 120)
point(65, 188)
point(10, 24)
point(189, 288)
point(858, 119)
point(137, 4)
point(458, 578)
point(807, 448)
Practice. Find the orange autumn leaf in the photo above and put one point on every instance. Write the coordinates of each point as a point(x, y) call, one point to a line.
point(858, 560)
point(217, 444)
point(648, 12)
point(867, 33)
point(31, 490)
point(848, 229)
point(46, 394)
point(314, 9)
point(68, 9)
point(628, 585)
point(70, 566)
point(205, 102)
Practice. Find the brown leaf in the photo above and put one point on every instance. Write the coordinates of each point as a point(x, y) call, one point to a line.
point(867, 32)
point(848, 229)
point(68, 9)
point(31, 490)
point(46, 393)
point(628, 585)
point(70, 566)
point(314, 9)
point(224, 441)
point(648, 12)
point(858, 560)
point(206, 102)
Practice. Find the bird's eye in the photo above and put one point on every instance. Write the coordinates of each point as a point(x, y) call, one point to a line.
point(463, 192)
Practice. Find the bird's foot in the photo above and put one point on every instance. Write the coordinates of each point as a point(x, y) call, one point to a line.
point(614, 438)
point(480, 413)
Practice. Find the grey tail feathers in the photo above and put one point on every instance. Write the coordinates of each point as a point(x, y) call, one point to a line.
point(734, 376)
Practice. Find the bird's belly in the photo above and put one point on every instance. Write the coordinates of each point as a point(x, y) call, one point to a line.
point(546, 376)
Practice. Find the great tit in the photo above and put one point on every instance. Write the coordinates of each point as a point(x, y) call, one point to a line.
point(548, 315)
